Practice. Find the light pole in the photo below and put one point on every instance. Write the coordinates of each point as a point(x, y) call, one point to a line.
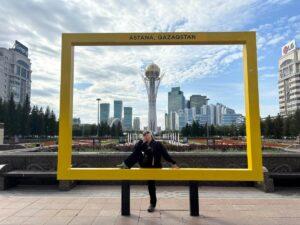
point(98, 100)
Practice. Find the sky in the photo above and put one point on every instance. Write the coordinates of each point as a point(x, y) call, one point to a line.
point(115, 72)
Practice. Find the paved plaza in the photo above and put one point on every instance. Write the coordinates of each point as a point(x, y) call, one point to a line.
point(94, 204)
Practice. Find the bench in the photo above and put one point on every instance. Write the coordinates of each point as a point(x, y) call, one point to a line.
point(9, 178)
point(267, 185)
point(193, 194)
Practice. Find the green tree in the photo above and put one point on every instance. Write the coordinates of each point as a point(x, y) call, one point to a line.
point(11, 123)
point(195, 129)
point(278, 126)
point(268, 126)
point(296, 122)
point(34, 121)
point(25, 117)
point(46, 121)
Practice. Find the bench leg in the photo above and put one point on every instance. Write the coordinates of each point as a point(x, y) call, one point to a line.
point(3, 183)
point(194, 198)
point(6, 183)
point(267, 185)
point(125, 198)
point(66, 185)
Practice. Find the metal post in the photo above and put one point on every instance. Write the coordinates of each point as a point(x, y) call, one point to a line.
point(125, 198)
point(98, 100)
point(194, 198)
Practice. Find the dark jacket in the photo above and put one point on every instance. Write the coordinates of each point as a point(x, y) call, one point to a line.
point(148, 156)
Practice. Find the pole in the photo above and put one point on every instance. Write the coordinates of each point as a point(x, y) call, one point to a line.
point(194, 198)
point(125, 198)
point(98, 100)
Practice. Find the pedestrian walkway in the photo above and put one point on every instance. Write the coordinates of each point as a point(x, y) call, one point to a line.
point(93, 204)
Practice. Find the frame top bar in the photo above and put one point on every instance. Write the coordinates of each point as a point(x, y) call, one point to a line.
point(166, 38)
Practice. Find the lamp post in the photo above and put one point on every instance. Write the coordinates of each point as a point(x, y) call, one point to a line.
point(98, 100)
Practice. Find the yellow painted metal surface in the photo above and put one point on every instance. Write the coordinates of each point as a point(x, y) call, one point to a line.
point(254, 155)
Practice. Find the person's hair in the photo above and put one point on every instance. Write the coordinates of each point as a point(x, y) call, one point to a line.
point(148, 132)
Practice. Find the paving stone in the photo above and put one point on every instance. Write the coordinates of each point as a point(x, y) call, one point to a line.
point(101, 205)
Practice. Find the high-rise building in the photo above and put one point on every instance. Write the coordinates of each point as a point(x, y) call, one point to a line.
point(229, 119)
point(152, 80)
point(136, 124)
point(220, 111)
point(127, 122)
point(289, 79)
point(197, 101)
point(208, 114)
point(187, 104)
point(205, 115)
point(212, 114)
point(174, 121)
point(104, 112)
point(15, 73)
point(190, 114)
point(118, 106)
point(167, 122)
point(181, 119)
point(176, 100)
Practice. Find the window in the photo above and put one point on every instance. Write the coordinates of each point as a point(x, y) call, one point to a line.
point(291, 69)
point(23, 73)
point(22, 63)
point(18, 70)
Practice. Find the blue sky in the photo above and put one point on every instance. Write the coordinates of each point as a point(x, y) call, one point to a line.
point(114, 72)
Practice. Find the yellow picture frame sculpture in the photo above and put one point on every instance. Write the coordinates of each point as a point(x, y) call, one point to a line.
point(253, 172)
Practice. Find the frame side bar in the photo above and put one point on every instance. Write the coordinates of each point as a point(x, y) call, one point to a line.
point(66, 108)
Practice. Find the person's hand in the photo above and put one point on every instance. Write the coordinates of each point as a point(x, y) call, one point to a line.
point(174, 166)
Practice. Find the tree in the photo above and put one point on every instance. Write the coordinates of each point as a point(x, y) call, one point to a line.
point(52, 124)
point(195, 129)
point(296, 122)
point(278, 126)
point(34, 121)
point(268, 126)
point(186, 131)
point(11, 122)
point(41, 122)
point(25, 117)
point(2, 111)
point(46, 120)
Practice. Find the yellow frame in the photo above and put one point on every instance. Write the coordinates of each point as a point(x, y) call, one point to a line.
point(254, 156)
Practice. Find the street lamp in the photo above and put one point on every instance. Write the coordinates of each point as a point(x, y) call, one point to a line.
point(98, 100)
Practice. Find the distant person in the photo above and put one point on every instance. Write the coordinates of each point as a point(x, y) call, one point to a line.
point(148, 153)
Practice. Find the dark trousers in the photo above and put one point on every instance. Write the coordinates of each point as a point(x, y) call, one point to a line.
point(152, 192)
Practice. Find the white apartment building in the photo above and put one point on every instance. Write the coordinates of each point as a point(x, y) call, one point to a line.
point(15, 73)
point(289, 79)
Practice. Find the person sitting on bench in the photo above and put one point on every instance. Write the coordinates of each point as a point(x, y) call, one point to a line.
point(148, 153)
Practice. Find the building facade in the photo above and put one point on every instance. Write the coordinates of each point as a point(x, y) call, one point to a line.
point(118, 108)
point(230, 119)
point(174, 121)
point(289, 79)
point(190, 115)
point(197, 101)
point(15, 73)
point(176, 100)
point(127, 121)
point(104, 112)
point(182, 120)
point(136, 124)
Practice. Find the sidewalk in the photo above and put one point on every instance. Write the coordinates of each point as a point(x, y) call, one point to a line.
point(91, 204)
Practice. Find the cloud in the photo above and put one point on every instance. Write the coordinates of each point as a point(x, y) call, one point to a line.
point(114, 72)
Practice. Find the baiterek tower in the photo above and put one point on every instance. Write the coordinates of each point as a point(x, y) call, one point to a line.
point(152, 80)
